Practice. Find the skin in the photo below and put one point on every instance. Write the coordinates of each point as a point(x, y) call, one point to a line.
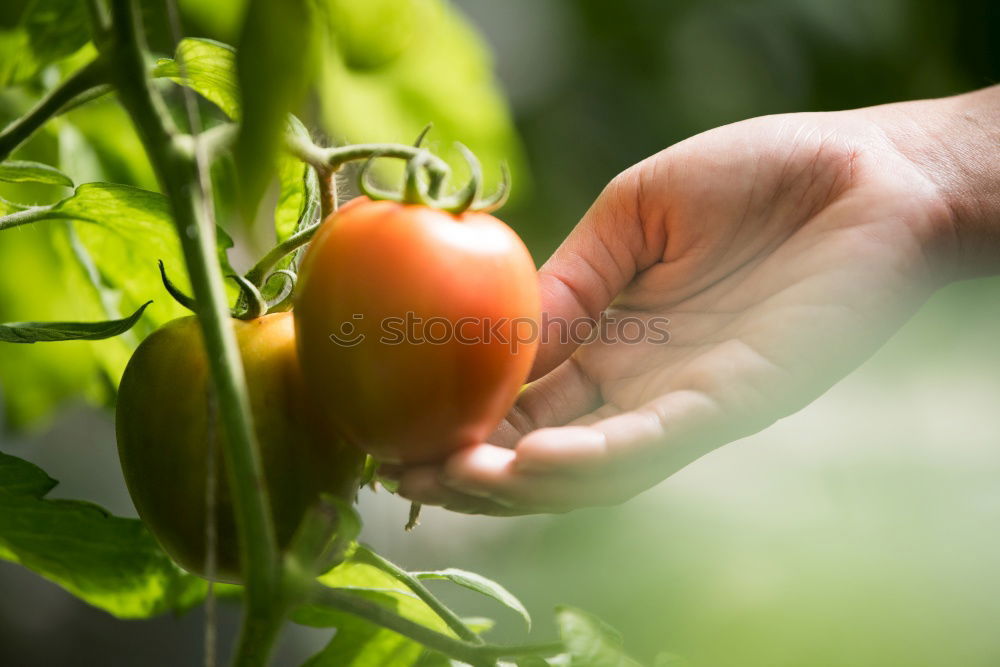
point(164, 426)
point(784, 250)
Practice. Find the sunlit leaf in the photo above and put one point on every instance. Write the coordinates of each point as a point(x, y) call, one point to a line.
point(590, 641)
point(131, 231)
point(49, 30)
point(119, 154)
point(479, 624)
point(274, 61)
point(36, 379)
point(210, 69)
point(8, 207)
point(357, 642)
point(23, 171)
point(482, 585)
point(107, 561)
point(293, 195)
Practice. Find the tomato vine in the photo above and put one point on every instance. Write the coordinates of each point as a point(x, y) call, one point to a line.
point(300, 578)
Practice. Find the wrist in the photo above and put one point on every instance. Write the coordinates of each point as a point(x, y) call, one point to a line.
point(955, 142)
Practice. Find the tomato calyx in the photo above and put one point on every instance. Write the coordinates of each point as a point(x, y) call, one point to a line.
point(250, 304)
point(424, 179)
point(422, 191)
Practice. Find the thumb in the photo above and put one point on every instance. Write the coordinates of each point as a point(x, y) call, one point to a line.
point(595, 262)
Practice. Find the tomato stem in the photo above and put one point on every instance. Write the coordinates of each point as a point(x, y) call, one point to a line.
point(327, 193)
point(366, 555)
point(262, 269)
point(251, 304)
point(181, 177)
point(84, 80)
point(465, 651)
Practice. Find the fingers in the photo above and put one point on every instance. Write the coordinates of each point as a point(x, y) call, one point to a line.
point(598, 259)
point(558, 469)
point(555, 399)
point(424, 485)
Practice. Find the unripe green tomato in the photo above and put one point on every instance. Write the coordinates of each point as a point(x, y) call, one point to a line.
point(416, 394)
point(165, 423)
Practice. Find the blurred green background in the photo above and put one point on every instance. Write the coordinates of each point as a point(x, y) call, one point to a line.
point(862, 531)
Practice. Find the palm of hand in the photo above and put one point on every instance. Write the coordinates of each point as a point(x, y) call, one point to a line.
point(783, 251)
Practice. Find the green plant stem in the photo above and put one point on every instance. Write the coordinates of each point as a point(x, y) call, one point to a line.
point(25, 217)
point(213, 141)
point(366, 555)
point(177, 172)
point(332, 159)
point(326, 162)
point(259, 634)
point(327, 193)
point(458, 649)
point(262, 268)
point(82, 81)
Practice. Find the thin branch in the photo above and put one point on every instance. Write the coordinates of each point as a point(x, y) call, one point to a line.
point(341, 155)
point(25, 217)
point(353, 604)
point(332, 159)
point(83, 80)
point(262, 268)
point(366, 555)
point(180, 179)
point(213, 141)
point(327, 193)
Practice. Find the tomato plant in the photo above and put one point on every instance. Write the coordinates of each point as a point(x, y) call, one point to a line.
point(409, 310)
point(167, 425)
point(231, 424)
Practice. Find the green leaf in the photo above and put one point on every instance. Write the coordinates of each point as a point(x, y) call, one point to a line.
point(357, 642)
point(297, 186)
point(479, 624)
point(56, 28)
point(480, 584)
point(126, 231)
point(363, 577)
point(8, 207)
point(211, 72)
point(36, 332)
point(532, 661)
point(274, 67)
point(130, 230)
point(23, 171)
point(49, 30)
point(46, 375)
point(590, 641)
point(107, 561)
point(392, 66)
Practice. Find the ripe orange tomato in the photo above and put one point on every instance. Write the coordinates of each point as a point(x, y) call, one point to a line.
point(416, 327)
point(164, 425)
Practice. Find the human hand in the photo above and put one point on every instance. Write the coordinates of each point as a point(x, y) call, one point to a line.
point(784, 250)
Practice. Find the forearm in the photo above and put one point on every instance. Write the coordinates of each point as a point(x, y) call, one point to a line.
point(956, 142)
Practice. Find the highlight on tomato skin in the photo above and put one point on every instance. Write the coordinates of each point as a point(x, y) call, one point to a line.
point(416, 327)
point(165, 424)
